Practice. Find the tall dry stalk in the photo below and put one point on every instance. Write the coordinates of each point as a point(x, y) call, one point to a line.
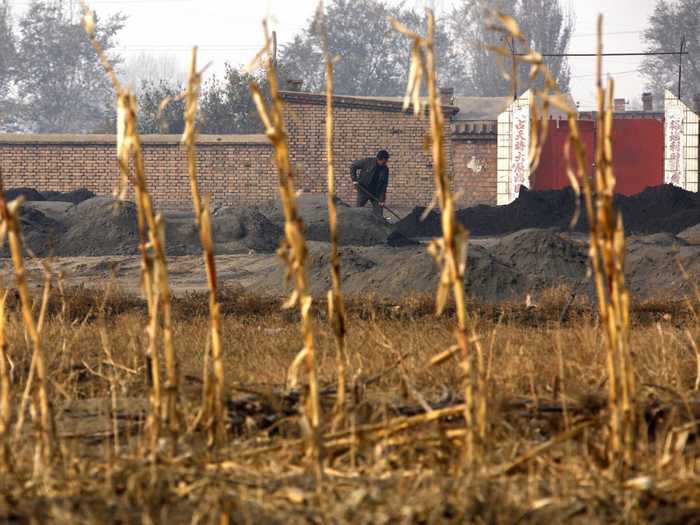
point(293, 250)
point(11, 224)
point(607, 245)
point(336, 304)
point(151, 239)
point(450, 250)
point(5, 385)
point(216, 420)
point(608, 256)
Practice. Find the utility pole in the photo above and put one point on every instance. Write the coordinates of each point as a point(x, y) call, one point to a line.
point(680, 65)
point(514, 67)
point(510, 42)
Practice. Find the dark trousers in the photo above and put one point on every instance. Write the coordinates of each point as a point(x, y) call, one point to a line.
point(362, 199)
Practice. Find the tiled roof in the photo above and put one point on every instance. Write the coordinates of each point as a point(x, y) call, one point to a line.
point(474, 128)
point(392, 104)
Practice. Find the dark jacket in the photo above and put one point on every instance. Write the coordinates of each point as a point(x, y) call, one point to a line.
point(371, 176)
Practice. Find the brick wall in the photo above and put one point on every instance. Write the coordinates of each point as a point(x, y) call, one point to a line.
point(232, 169)
point(239, 169)
point(362, 127)
point(474, 167)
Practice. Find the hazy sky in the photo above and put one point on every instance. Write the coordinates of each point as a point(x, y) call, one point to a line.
point(229, 30)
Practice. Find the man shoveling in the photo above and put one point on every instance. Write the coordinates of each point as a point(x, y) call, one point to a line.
point(370, 178)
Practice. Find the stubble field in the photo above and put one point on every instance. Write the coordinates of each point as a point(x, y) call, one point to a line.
point(397, 454)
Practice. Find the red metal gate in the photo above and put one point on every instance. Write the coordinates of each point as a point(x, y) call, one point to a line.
point(638, 154)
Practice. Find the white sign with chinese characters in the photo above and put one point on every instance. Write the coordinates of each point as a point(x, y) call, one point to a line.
point(681, 126)
point(674, 139)
point(520, 148)
point(513, 147)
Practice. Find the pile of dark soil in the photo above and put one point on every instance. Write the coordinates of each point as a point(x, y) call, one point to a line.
point(356, 226)
point(524, 262)
point(74, 197)
point(545, 209)
point(41, 233)
point(233, 227)
point(100, 226)
point(544, 256)
point(663, 208)
point(29, 194)
point(34, 195)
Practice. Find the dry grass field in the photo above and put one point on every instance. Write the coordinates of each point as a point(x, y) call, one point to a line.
point(222, 407)
point(545, 458)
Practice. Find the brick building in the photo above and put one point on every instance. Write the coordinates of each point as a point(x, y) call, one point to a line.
point(239, 169)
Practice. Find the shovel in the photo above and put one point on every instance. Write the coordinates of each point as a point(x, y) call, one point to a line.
point(363, 190)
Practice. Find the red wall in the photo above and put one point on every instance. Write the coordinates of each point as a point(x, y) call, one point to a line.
point(551, 172)
point(638, 154)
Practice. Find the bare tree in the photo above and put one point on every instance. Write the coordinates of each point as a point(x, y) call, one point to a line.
point(61, 85)
point(373, 57)
point(8, 70)
point(151, 68)
point(545, 23)
point(8, 50)
point(669, 22)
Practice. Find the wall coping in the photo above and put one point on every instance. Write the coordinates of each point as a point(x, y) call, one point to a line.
point(64, 138)
point(469, 130)
point(388, 104)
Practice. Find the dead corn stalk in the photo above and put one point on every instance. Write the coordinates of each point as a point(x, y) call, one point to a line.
point(215, 416)
point(607, 246)
point(47, 428)
point(607, 252)
point(152, 247)
point(293, 251)
point(336, 304)
point(5, 384)
point(450, 250)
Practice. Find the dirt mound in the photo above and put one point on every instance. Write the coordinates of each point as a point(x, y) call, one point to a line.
point(53, 210)
point(103, 226)
point(543, 209)
point(653, 269)
point(544, 256)
point(356, 226)
point(354, 260)
point(29, 194)
point(691, 235)
point(40, 233)
point(525, 262)
point(100, 226)
point(398, 239)
point(181, 233)
point(234, 227)
point(74, 197)
point(397, 272)
point(663, 208)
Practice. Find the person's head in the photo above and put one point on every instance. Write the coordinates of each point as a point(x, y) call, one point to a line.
point(382, 157)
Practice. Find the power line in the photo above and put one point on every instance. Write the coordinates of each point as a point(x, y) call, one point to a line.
point(648, 53)
point(628, 72)
point(608, 33)
point(115, 2)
